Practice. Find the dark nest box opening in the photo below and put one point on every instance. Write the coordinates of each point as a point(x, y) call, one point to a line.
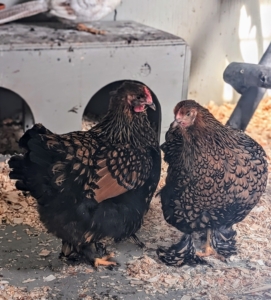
point(98, 106)
point(15, 118)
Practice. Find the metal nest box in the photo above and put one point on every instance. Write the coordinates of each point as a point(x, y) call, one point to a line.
point(58, 74)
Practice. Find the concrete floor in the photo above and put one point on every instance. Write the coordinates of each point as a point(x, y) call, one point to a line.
point(20, 260)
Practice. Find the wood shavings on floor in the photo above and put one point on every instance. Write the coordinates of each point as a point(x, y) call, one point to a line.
point(8, 292)
point(16, 208)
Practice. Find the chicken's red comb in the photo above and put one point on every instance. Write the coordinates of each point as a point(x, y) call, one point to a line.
point(148, 93)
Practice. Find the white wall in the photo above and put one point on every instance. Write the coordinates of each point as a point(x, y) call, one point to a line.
point(218, 32)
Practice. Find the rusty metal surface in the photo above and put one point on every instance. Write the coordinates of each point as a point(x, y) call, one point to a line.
point(56, 35)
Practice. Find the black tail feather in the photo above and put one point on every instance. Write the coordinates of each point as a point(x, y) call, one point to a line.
point(223, 241)
point(21, 186)
point(183, 253)
point(16, 163)
point(22, 168)
point(16, 175)
point(31, 133)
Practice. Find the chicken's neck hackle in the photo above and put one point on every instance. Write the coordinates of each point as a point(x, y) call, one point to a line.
point(206, 134)
point(206, 128)
point(122, 125)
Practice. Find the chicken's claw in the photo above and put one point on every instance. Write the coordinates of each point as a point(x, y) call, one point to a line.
point(137, 241)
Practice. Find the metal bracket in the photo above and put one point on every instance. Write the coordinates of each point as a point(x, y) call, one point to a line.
point(251, 81)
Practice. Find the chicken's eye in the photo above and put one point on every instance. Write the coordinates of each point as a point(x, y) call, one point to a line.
point(188, 114)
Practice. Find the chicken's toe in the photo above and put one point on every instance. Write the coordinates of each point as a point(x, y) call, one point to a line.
point(104, 261)
point(209, 251)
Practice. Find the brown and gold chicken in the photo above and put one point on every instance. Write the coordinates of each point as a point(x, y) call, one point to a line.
point(216, 175)
point(94, 184)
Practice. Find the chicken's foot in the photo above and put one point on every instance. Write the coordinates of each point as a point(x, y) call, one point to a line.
point(83, 27)
point(208, 249)
point(104, 261)
point(182, 253)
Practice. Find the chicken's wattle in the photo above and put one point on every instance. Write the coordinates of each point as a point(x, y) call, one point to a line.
point(139, 108)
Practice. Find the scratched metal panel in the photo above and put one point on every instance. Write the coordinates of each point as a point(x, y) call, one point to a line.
point(54, 79)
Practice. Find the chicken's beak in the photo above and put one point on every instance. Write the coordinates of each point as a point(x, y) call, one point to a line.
point(175, 124)
point(152, 106)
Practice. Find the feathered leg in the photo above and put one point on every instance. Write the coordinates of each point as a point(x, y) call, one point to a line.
point(95, 253)
point(69, 253)
point(180, 254)
point(223, 241)
point(67, 248)
point(103, 257)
